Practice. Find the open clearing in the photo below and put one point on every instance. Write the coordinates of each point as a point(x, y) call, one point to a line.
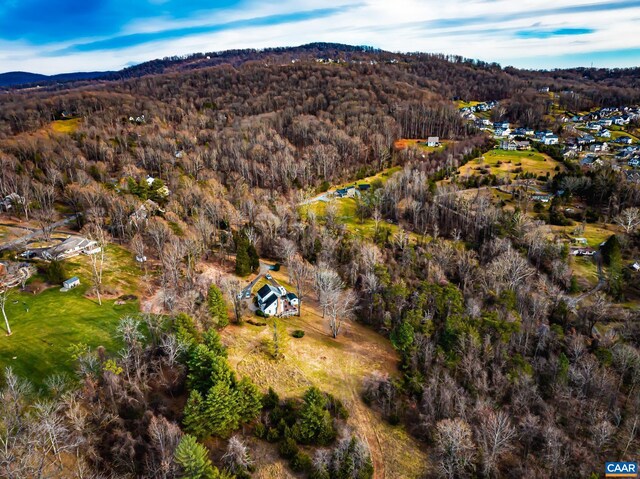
point(66, 126)
point(337, 366)
point(346, 207)
point(44, 325)
point(510, 163)
point(419, 143)
point(594, 233)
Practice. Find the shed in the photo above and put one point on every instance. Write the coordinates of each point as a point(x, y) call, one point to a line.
point(71, 283)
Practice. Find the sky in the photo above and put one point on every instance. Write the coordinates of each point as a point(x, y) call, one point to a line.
point(58, 36)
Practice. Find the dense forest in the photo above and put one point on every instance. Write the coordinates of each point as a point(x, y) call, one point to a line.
point(501, 372)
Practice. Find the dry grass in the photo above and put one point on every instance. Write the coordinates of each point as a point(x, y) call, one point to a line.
point(420, 143)
point(66, 126)
point(337, 366)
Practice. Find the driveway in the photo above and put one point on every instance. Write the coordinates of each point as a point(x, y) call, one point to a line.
point(264, 269)
point(34, 234)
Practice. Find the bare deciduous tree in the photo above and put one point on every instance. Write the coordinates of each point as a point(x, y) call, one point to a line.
point(455, 447)
point(495, 437)
point(98, 257)
point(629, 219)
point(340, 308)
point(4, 297)
point(301, 274)
point(327, 284)
point(233, 289)
point(237, 458)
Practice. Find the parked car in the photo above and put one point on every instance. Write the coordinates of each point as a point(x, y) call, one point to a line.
point(268, 276)
point(247, 294)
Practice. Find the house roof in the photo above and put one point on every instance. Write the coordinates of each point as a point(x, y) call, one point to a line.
point(432, 139)
point(71, 243)
point(291, 296)
point(269, 300)
point(265, 291)
point(72, 280)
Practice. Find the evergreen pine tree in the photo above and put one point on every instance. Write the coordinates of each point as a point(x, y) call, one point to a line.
point(206, 368)
point(194, 461)
point(194, 420)
point(217, 307)
point(249, 400)
point(315, 424)
point(254, 259)
point(243, 266)
point(221, 409)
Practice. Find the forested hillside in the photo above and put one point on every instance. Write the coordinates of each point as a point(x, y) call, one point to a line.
point(206, 171)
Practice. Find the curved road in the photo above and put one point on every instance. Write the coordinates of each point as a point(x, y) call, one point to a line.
point(34, 234)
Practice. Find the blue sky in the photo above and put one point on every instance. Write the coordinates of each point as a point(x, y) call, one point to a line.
point(55, 36)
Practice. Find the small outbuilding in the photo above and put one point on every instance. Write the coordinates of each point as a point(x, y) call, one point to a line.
point(71, 283)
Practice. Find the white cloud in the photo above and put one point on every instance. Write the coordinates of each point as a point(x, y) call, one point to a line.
point(482, 29)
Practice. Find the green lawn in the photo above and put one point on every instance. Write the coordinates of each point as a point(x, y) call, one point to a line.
point(54, 321)
point(506, 163)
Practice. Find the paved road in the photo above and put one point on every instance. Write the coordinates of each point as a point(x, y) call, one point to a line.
point(264, 269)
point(321, 197)
point(34, 234)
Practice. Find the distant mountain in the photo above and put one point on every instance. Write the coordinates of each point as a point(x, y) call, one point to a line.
point(26, 78)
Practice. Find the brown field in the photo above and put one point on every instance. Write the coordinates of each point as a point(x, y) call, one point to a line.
point(337, 366)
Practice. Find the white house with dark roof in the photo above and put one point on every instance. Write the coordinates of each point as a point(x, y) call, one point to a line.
point(276, 301)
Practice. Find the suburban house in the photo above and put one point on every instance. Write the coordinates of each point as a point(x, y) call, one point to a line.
point(71, 283)
point(162, 191)
point(585, 139)
point(145, 210)
point(72, 246)
point(364, 187)
point(9, 201)
point(590, 161)
point(605, 134)
point(276, 301)
point(349, 192)
point(542, 198)
point(508, 145)
point(599, 147)
point(433, 141)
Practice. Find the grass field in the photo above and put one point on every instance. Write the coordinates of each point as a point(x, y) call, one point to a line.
point(421, 144)
point(465, 104)
point(510, 163)
point(66, 126)
point(337, 366)
point(585, 270)
point(346, 208)
point(44, 325)
point(594, 233)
